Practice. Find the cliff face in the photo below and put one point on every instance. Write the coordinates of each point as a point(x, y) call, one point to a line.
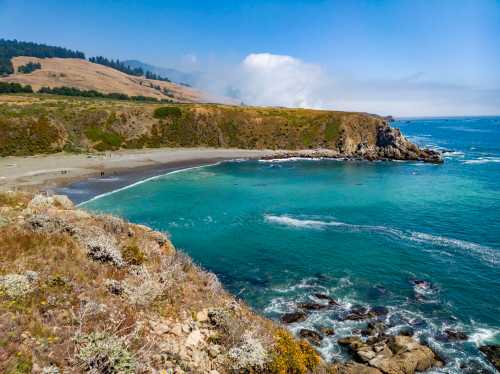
point(41, 124)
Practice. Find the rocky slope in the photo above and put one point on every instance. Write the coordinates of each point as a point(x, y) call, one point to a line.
point(33, 124)
point(85, 293)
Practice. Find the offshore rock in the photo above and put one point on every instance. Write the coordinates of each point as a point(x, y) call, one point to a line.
point(311, 336)
point(293, 317)
point(492, 352)
point(392, 355)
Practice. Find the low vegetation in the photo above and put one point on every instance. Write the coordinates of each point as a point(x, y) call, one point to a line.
point(84, 293)
point(30, 67)
point(48, 123)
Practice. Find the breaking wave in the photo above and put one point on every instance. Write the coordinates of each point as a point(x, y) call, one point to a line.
point(487, 254)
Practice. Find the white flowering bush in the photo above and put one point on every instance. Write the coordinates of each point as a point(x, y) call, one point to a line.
point(103, 248)
point(18, 285)
point(100, 352)
point(250, 354)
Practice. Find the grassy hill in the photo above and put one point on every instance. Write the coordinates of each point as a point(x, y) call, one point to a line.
point(31, 124)
point(85, 75)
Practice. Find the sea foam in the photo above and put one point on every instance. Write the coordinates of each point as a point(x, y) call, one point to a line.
point(487, 254)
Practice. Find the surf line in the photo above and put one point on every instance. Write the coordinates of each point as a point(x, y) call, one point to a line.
point(144, 181)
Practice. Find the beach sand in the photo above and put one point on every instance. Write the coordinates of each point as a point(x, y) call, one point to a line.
point(55, 171)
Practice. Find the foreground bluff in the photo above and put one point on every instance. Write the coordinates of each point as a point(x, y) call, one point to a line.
point(30, 125)
point(93, 293)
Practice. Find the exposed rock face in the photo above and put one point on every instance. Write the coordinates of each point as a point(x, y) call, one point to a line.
point(390, 355)
point(383, 143)
point(391, 144)
point(492, 352)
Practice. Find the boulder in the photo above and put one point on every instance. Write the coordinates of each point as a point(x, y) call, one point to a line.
point(492, 352)
point(392, 355)
point(194, 338)
point(327, 331)
point(373, 328)
point(354, 368)
point(311, 336)
point(454, 335)
point(293, 317)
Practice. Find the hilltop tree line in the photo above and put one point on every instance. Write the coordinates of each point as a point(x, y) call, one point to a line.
point(14, 48)
point(120, 66)
point(6, 87)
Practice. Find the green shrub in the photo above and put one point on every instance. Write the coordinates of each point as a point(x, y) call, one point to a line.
point(107, 139)
point(332, 130)
point(133, 255)
point(167, 112)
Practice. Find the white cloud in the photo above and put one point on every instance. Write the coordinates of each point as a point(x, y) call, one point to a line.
point(268, 79)
point(279, 80)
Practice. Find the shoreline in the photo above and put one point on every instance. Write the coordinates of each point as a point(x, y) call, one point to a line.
point(70, 173)
point(87, 175)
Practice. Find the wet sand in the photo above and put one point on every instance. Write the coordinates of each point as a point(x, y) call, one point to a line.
point(83, 176)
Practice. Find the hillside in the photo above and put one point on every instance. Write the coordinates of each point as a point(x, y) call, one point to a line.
point(96, 294)
point(31, 124)
point(85, 75)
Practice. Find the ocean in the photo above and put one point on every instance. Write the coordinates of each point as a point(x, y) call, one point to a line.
point(421, 240)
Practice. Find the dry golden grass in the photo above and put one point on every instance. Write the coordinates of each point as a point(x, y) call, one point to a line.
point(85, 75)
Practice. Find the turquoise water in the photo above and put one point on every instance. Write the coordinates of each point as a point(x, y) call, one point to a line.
point(276, 232)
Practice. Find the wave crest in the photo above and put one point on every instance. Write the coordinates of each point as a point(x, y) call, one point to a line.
point(488, 254)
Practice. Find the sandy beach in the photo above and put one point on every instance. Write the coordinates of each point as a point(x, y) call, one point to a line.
point(59, 170)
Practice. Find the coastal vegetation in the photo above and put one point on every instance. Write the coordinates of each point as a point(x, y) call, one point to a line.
point(30, 67)
point(87, 125)
point(71, 91)
point(6, 87)
point(45, 123)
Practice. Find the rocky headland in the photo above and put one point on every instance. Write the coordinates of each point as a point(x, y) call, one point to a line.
point(390, 144)
point(32, 125)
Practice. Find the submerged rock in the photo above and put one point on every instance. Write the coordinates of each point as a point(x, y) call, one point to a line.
point(311, 336)
point(312, 306)
point(452, 335)
point(322, 296)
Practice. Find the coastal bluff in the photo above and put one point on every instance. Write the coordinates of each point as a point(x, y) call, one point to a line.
point(94, 293)
point(37, 124)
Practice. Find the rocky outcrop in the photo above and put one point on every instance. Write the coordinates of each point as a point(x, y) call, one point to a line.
point(492, 352)
point(392, 145)
point(389, 355)
point(387, 143)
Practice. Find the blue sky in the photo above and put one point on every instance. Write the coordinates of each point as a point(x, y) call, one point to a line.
point(422, 57)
